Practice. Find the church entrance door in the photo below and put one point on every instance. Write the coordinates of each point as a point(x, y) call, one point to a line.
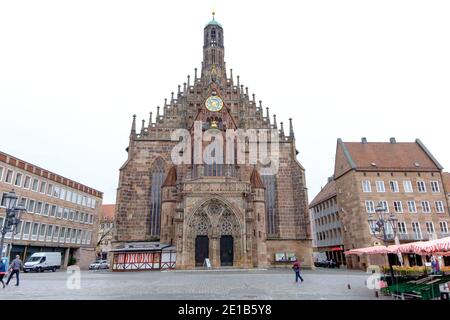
point(226, 250)
point(201, 250)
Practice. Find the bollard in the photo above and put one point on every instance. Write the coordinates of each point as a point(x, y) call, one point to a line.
point(376, 294)
point(348, 286)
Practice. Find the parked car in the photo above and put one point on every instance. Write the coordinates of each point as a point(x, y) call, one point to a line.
point(326, 264)
point(41, 261)
point(99, 264)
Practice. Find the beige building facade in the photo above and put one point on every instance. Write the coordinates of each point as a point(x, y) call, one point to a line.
point(105, 230)
point(61, 214)
point(405, 178)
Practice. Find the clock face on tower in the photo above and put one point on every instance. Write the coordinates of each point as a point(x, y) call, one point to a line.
point(214, 103)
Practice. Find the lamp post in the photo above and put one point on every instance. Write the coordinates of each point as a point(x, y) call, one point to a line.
point(378, 228)
point(12, 217)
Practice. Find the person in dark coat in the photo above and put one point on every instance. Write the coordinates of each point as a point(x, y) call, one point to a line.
point(15, 266)
point(2, 270)
point(296, 268)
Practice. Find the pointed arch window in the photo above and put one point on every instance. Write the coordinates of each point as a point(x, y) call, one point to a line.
point(271, 207)
point(157, 179)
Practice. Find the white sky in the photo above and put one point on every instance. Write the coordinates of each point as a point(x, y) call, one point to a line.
point(72, 74)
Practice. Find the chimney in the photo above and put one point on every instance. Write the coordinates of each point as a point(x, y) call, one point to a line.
point(364, 140)
point(392, 140)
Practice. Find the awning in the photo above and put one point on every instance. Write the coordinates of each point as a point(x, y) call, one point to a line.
point(436, 247)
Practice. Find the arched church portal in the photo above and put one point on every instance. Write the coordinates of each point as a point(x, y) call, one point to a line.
point(215, 233)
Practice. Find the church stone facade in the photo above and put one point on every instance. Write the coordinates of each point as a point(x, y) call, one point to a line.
point(229, 213)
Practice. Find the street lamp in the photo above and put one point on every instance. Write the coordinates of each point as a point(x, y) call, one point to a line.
point(379, 226)
point(12, 218)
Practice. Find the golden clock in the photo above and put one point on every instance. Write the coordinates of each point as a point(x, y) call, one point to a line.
point(214, 103)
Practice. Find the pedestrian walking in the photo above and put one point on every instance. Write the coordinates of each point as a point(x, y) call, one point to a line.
point(296, 268)
point(14, 268)
point(2, 270)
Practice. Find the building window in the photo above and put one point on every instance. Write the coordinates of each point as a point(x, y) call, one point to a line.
point(26, 231)
point(74, 197)
point(3, 202)
point(18, 230)
point(34, 231)
point(430, 227)
point(421, 186)
point(23, 202)
point(366, 186)
point(46, 209)
point(31, 204)
point(56, 191)
point(439, 206)
point(65, 213)
point(56, 234)
point(416, 230)
point(68, 195)
point(42, 187)
point(38, 208)
point(71, 214)
point(426, 207)
point(380, 186)
point(62, 194)
point(18, 180)
point(59, 213)
point(370, 208)
point(1, 173)
point(412, 207)
point(394, 186)
point(53, 211)
point(157, 179)
point(384, 204)
point(35, 185)
point(49, 233)
point(407, 185)
point(402, 228)
point(398, 206)
point(68, 235)
point(27, 182)
point(50, 189)
point(271, 203)
point(435, 186)
point(62, 235)
point(443, 226)
point(9, 176)
point(42, 230)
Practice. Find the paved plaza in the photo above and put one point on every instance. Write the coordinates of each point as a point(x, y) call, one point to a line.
point(320, 284)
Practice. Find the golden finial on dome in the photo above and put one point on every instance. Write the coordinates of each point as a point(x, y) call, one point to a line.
point(213, 14)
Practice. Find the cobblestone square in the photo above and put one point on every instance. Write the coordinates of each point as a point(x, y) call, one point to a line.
point(320, 284)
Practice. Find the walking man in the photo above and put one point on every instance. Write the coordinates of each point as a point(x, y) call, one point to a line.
point(296, 267)
point(15, 266)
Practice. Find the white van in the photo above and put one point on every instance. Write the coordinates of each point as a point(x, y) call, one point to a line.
point(41, 261)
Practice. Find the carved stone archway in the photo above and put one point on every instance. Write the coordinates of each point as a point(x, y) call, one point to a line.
point(214, 218)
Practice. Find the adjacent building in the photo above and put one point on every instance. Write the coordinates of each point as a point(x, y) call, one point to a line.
point(326, 225)
point(403, 177)
point(230, 214)
point(105, 230)
point(61, 214)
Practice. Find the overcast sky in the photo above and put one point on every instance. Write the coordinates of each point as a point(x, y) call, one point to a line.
point(72, 74)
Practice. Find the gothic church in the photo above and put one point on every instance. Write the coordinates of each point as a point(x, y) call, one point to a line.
point(231, 214)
